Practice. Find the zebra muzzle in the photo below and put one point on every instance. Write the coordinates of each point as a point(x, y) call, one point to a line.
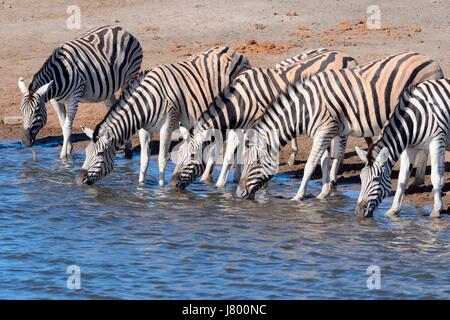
point(27, 138)
point(82, 177)
point(364, 210)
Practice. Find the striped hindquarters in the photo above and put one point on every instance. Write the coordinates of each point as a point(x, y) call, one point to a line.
point(364, 98)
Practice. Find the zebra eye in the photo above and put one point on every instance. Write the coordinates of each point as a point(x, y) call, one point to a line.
point(100, 154)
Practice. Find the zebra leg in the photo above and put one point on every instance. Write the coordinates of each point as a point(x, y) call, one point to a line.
point(326, 185)
point(145, 139)
point(60, 110)
point(294, 152)
point(165, 135)
point(232, 143)
point(338, 145)
point(437, 155)
point(320, 145)
point(207, 173)
point(128, 149)
point(68, 122)
point(208, 169)
point(421, 168)
point(406, 159)
point(237, 172)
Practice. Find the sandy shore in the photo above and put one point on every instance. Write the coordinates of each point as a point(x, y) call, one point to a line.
point(266, 31)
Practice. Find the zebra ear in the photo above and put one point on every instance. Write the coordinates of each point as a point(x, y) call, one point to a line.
point(88, 132)
point(361, 154)
point(383, 156)
point(22, 86)
point(43, 90)
point(184, 133)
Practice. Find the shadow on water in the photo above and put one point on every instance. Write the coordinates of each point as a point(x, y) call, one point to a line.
point(144, 241)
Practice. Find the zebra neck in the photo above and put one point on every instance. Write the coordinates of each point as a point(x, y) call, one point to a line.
point(123, 121)
point(220, 114)
point(286, 119)
point(274, 137)
point(394, 153)
point(50, 70)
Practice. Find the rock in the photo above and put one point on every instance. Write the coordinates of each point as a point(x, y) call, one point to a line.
point(12, 120)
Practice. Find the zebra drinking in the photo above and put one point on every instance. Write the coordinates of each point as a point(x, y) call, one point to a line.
point(336, 103)
point(90, 68)
point(158, 100)
point(241, 104)
point(422, 121)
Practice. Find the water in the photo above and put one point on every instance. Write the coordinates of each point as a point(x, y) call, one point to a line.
point(153, 243)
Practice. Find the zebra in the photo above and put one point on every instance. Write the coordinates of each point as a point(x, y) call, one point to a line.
point(422, 121)
point(158, 100)
point(293, 60)
point(332, 104)
point(90, 68)
point(241, 104)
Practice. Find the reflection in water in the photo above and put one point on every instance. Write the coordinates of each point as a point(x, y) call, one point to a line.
point(143, 241)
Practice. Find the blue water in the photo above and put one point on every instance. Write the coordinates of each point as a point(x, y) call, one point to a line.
point(147, 242)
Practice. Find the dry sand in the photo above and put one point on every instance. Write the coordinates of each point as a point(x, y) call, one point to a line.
point(266, 31)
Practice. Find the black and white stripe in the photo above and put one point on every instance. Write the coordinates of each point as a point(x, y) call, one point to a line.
point(336, 103)
point(293, 60)
point(244, 102)
point(158, 100)
point(421, 122)
point(90, 68)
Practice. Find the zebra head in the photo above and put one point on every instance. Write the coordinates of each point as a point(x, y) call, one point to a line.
point(190, 164)
point(258, 168)
point(100, 155)
point(33, 111)
point(375, 181)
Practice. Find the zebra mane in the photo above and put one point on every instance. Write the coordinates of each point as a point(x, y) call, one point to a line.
point(129, 89)
point(279, 98)
point(407, 93)
point(370, 153)
point(45, 66)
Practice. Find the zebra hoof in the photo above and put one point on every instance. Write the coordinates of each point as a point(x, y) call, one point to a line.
point(206, 178)
point(65, 156)
point(392, 212)
point(128, 153)
point(301, 198)
point(322, 196)
point(435, 214)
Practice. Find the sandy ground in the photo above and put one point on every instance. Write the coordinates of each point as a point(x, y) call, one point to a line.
point(266, 31)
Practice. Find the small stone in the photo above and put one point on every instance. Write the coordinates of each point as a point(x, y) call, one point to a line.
point(12, 120)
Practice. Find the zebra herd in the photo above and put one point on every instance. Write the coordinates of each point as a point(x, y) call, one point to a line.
point(216, 95)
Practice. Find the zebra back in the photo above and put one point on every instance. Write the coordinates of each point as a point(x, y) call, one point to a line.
point(253, 91)
point(102, 60)
point(423, 113)
point(364, 98)
point(187, 87)
point(299, 57)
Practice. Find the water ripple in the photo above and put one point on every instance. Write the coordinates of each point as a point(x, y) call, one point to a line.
point(134, 241)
